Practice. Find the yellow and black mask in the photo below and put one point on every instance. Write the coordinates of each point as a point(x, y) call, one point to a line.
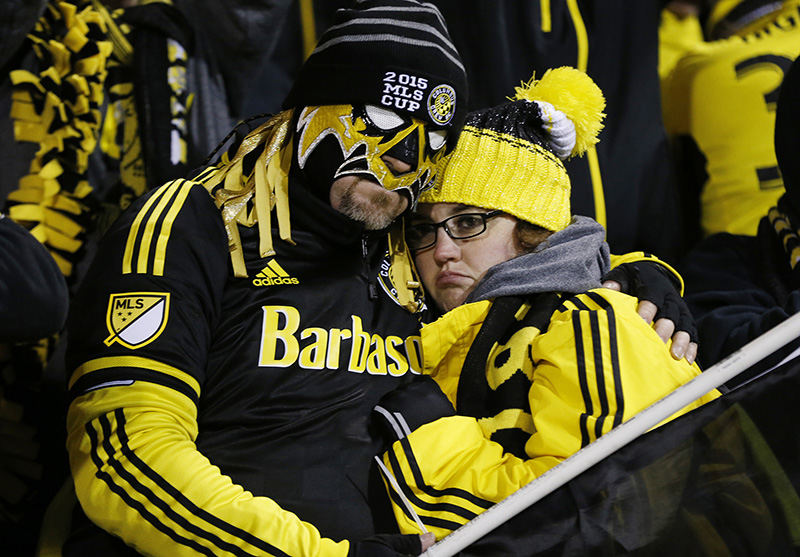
point(333, 141)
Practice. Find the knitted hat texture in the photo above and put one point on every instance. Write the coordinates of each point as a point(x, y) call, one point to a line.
point(506, 158)
point(395, 54)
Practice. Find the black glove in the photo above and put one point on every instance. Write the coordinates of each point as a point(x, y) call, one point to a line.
point(386, 545)
point(651, 281)
point(406, 408)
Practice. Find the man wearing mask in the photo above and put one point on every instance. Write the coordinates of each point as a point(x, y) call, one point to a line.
point(235, 330)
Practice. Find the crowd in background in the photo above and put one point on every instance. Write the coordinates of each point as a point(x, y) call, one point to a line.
point(103, 101)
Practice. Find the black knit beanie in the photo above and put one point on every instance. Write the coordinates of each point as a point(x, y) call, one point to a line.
point(395, 54)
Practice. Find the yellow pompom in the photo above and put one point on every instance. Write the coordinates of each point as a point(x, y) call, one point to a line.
point(575, 94)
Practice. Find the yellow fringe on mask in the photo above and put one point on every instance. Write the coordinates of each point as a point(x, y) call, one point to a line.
point(575, 94)
point(248, 200)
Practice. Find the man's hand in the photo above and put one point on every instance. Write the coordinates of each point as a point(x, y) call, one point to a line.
point(391, 545)
point(659, 301)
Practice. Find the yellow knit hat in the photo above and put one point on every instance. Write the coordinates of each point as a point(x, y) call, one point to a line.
point(509, 157)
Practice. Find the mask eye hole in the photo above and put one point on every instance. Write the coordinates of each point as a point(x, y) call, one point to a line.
point(383, 119)
point(436, 139)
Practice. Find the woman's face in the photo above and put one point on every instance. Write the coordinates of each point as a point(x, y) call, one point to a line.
point(450, 269)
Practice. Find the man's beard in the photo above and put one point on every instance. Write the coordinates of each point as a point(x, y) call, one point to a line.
point(375, 209)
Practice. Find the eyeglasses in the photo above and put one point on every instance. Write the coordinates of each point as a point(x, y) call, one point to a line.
point(458, 227)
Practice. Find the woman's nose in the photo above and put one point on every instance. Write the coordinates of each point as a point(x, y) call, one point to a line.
point(446, 249)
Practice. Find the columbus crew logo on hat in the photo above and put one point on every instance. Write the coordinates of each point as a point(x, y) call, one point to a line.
point(442, 104)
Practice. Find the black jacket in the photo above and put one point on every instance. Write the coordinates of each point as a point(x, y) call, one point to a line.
point(33, 292)
point(739, 287)
point(283, 368)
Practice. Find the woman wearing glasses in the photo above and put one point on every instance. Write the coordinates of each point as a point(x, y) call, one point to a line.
point(536, 359)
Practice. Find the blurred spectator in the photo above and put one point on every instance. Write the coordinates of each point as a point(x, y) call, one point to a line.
point(176, 83)
point(680, 30)
point(719, 103)
point(33, 305)
point(33, 293)
point(99, 102)
point(110, 103)
point(739, 286)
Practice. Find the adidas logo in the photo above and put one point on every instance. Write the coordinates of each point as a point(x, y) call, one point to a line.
point(273, 274)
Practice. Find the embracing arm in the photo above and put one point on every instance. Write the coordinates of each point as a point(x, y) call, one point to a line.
point(591, 371)
point(659, 288)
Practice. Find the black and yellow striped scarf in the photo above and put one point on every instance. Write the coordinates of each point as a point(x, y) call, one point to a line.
point(57, 105)
point(475, 397)
point(147, 96)
point(83, 57)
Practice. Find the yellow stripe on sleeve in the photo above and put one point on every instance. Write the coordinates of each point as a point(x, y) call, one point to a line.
point(127, 258)
point(149, 228)
point(581, 35)
point(166, 228)
point(547, 23)
point(582, 63)
point(135, 362)
point(168, 201)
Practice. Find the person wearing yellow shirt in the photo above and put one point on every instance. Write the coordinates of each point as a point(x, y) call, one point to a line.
point(719, 106)
point(532, 359)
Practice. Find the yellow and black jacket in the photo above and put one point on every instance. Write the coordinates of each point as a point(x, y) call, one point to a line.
point(214, 414)
point(532, 380)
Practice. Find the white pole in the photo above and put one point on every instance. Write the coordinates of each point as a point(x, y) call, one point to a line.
point(751, 353)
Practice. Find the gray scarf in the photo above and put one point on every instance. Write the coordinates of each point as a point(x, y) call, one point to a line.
point(572, 260)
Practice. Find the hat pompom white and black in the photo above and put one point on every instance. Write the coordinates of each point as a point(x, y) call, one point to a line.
point(509, 157)
point(571, 107)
